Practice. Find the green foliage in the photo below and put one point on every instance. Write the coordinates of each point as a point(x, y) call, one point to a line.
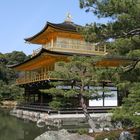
point(82, 131)
point(8, 91)
point(112, 135)
point(124, 32)
point(125, 15)
point(78, 74)
point(55, 104)
point(15, 57)
point(6, 74)
point(131, 107)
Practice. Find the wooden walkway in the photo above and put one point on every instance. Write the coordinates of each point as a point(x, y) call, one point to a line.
point(46, 109)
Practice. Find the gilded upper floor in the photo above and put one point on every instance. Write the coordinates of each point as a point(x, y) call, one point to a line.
point(58, 42)
point(64, 37)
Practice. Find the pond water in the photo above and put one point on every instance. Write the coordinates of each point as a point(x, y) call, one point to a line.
point(12, 128)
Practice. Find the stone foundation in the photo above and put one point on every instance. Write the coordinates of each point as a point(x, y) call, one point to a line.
point(102, 120)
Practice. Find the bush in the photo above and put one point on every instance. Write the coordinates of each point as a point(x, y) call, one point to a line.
point(82, 131)
point(111, 135)
point(55, 104)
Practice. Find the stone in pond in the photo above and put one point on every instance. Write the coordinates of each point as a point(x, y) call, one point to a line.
point(62, 135)
point(125, 135)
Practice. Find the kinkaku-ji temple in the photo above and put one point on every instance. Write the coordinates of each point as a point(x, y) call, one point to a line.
point(59, 42)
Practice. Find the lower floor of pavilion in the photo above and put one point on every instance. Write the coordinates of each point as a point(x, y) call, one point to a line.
point(35, 100)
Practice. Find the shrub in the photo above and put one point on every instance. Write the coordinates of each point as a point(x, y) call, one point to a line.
point(82, 131)
point(111, 135)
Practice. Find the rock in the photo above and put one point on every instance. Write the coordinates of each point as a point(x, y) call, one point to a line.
point(19, 112)
point(43, 115)
point(62, 135)
point(8, 104)
point(37, 115)
point(125, 135)
point(106, 139)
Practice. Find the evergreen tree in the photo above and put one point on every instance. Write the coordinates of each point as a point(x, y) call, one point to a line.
point(8, 89)
point(79, 73)
point(124, 32)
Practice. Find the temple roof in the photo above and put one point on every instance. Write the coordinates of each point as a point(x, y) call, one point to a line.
point(107, 61)
point(51, 53)
point(66, 26)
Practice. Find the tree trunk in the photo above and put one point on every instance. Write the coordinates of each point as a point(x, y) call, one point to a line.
point(86, 113)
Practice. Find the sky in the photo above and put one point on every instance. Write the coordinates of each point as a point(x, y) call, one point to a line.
point(21, 19)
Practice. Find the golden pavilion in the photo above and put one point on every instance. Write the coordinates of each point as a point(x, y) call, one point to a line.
point(58, 42)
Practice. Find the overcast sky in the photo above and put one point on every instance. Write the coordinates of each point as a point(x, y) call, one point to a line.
point(21, 19)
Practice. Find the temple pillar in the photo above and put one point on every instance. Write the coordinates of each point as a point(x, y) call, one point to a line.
point(41, 99)
point(103, 95)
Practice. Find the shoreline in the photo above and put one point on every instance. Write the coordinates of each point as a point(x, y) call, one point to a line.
point(8, 104)
point(59, 120)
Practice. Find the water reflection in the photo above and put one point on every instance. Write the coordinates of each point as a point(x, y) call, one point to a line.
point(12, 128)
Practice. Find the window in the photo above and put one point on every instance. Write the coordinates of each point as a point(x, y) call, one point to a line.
point(109, 97)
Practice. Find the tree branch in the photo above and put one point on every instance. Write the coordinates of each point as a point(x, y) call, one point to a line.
point(132, 32)
point(131, 66)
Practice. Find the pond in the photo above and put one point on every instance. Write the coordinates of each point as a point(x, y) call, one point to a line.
point(12, 128)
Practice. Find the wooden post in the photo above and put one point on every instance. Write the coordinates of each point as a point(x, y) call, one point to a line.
point(25, 96)
point(41, 99)
point(34, 97)
point(104, 48)
point(98, 48)
point(29, 97)
point(93, 47)
point(103, 95)
point(118, 102)
point(52, 43)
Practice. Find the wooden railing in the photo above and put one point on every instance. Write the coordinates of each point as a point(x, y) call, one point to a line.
point(84, 48)
point(35, 78)
point(35, 52)
point(76, 110)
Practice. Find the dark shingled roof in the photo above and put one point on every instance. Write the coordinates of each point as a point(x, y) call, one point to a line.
point(65, 26)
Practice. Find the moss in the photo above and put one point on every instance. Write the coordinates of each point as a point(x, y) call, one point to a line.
point(82, 131)
point(111, 135)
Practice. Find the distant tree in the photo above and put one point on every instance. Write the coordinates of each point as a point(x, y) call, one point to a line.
point(6, 74)
point(10, 92)
point(2, 58)
point(8, 89)
point(15, 57)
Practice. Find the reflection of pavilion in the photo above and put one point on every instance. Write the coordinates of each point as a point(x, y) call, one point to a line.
point(59, 41)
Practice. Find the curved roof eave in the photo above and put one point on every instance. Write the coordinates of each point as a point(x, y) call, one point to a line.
point(56, 26)
point(51, 53)
point(34, 36)
point(111, 58)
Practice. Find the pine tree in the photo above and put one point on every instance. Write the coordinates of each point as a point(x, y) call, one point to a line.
point(124, 32)
point(79, 73)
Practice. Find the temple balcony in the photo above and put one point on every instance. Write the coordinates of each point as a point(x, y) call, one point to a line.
point(35, 52)
point(33, 76)
point(31, 79)
point(73, 46)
